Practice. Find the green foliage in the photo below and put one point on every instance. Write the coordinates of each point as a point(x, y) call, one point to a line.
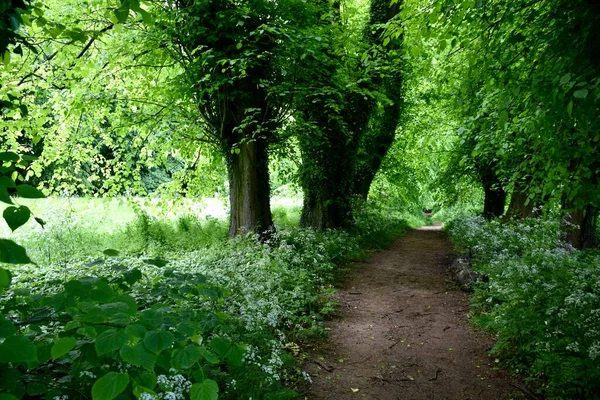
point(541, 301)
point(204, 321)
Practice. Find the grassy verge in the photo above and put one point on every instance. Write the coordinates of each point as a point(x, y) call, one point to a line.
point(174, 309)
point(542, 301)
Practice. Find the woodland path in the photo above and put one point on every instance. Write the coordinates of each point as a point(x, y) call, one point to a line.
point(402, 332)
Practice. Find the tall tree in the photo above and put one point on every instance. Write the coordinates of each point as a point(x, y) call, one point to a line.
point(231, 54)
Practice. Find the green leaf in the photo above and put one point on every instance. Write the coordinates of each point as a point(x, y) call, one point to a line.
point(236, 355)
point(122, 14)
point(111, 252)
point(6, 327)
point(29, 192)
point(9, 156)
point(62, 346)
point(12, 253)
point(157, 341)
point(133, 276)
point(4, 196)
point(109, 386)
point(210, 356)
point(138, 356)
point(151, 318)
point(386, 41)
point(6, 182)
point(207, 390)
point(6, 396)
point(146, 379)
point(40, 221)
point(18, 349)
point(5, 279)
point(135, 331)
point(157, 262)
point(220, 346)
point(16, 216)
point(580, 94)
point(186, 357)
point(570, 107)
point(110, 340)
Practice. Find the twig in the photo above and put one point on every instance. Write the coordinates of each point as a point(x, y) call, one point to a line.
point(325, 367)
point(525, 390)
point(437, 373)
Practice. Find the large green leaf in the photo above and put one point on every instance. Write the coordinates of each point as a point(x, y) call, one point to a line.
point(16, 216)
point(138, 355)
point(110, 340)
point(6, 182)
point(157, 341)
point(62, 346)
point(186, 357)
point(109, 386)
point(207, 390)
point(4, 196)
point(220, 345)
point(29, 192)
point(9, 156)
point(18, 349)
point(12, 253)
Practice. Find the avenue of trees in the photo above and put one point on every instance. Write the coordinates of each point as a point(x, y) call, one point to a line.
point(102, 94)
point(481, 105)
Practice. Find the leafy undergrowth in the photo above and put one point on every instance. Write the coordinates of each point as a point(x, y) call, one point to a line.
point(173, 311)
point(542, 301)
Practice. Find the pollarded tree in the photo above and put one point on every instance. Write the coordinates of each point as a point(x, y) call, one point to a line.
point(327, 124)
point(231, 52)
point(348, 115)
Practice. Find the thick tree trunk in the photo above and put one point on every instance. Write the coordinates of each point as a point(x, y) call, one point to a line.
point(494, 201)
point(375, 145)
point(319, 213)
point(580, 229)
point(249, 190)
point(518, 207)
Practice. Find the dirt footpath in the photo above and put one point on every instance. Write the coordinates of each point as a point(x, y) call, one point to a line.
point(402, 332)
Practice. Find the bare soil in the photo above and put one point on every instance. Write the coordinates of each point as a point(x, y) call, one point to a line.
point(402, 332)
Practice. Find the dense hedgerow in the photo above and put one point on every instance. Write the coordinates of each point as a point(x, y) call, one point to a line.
point(542, 301)
point(177, 311)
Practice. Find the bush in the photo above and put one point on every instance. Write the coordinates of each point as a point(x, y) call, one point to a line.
point(542, 301)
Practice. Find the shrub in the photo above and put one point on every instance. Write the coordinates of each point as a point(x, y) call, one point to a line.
point(542, 301)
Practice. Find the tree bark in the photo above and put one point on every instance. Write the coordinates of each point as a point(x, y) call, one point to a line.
point(249, 189)
point(518, 207)
point(494, 201)
point(581, 228)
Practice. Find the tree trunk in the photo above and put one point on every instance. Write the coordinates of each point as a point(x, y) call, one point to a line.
point(318, 213)
point(249, 189)
point(494, 201)
point(518, 207)
point(375, 145)
point(581, 228)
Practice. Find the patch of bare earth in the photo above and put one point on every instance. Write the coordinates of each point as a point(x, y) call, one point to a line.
point(402, 332)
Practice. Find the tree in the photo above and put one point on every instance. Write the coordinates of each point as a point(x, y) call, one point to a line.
point(231, 55)
point(348, 126)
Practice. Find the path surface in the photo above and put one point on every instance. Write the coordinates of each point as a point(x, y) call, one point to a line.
point(402, 332)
